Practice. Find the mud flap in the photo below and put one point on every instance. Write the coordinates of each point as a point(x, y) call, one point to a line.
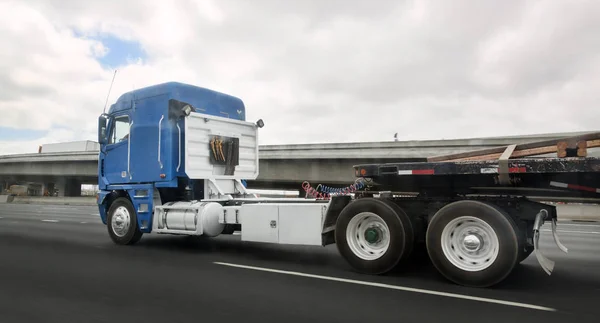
point(547, 264)
point(556, 240)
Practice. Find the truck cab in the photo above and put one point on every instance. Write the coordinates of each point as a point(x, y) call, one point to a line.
point(140, 135)
point(143, 149)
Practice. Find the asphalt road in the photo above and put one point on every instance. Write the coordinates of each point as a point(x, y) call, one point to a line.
point(58, 265)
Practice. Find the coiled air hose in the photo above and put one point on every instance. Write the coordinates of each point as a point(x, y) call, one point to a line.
point(325, 192)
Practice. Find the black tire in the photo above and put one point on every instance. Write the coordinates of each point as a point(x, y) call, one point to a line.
point(524, 249)
point(397, 235)
point(409, 232)
point(504, 228)
point(133, 233)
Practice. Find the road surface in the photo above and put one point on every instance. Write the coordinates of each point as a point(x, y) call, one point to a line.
point(58, 265)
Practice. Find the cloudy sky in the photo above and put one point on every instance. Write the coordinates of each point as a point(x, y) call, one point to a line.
point(315, 71)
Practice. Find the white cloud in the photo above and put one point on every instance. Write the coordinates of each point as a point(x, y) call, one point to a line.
point(315, 71)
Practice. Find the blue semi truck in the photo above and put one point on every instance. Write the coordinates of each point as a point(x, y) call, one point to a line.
point(173, 158)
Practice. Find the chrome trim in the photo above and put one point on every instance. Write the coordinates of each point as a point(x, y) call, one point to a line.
point(179, 165)
point(129, 151)
point(159, 137)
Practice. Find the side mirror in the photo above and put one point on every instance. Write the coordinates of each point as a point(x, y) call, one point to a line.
point(102, 126)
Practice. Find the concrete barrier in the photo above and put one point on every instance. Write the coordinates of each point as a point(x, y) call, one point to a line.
point(578, 212)
point(5, 199)
point(42, 200)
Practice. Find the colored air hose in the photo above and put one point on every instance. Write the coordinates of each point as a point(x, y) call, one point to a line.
point(325, 192)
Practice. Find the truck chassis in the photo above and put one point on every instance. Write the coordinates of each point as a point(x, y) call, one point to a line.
point(475, 219)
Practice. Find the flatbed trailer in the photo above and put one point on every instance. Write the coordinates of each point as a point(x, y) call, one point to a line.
point(187, 150)
point(552, 177)
point(462, 206)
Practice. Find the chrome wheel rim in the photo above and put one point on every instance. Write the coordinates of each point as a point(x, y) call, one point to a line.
point(470, 243)
point(121, 221)
point(368, 236)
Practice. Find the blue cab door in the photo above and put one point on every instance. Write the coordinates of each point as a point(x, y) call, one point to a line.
point(116, 160)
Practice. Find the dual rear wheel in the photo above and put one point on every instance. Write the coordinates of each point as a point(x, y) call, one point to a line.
point(471, 243)
point(374, 235)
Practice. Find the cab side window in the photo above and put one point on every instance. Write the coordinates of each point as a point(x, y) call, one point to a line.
point(120, 131)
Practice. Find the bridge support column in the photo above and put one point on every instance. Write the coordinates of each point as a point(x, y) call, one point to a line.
point(3, 185)
point(60, 185)
point(68, 187)
point(48, 188)
point(36, 189)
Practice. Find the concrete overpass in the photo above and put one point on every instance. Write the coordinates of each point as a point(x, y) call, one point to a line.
point(281, 166)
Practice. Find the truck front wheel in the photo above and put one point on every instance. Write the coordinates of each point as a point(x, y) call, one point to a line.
point(372, 237)
point(122, 222)
point(473, 243)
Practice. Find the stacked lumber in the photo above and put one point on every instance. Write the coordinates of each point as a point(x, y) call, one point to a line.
point(567, 147)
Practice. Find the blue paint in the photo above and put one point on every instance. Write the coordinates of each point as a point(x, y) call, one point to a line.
point(102, 206)
point(144, 219)
point(20, 134)
point(203, 100)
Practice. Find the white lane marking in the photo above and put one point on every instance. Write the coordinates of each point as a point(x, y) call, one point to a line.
point(407, 289)
point(83, 222)
point(569, 231)
point(53, 221)
point(97, 214)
